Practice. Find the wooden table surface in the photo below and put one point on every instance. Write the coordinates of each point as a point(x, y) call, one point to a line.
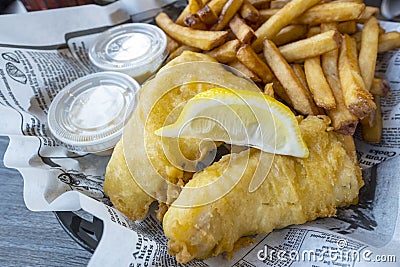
point(31, 238)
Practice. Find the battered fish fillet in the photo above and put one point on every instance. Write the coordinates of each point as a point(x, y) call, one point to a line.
point(145, 167)
point(295, 191)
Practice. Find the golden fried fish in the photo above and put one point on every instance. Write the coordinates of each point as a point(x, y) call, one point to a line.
point(296, 190)
point(145, 167)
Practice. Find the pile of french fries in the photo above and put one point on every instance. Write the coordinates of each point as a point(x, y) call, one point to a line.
point(318, 57)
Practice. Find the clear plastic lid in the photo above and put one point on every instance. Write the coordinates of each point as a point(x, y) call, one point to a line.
point(133, 48)
point(88, 115)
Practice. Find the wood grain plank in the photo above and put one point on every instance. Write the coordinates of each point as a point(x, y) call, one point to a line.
point(31, 238)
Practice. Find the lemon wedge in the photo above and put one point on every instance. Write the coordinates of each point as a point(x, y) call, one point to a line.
point(239, 117)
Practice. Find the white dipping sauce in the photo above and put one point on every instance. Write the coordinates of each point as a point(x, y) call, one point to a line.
point(89, 114)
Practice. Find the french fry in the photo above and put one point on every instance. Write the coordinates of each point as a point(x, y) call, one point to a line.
point(177, 52)
point(334, 79)
point(244, 70)
point(269, 90)
point(172, 45)
point(249, 58)
point(289, 34)
point(193, 21)
point(278, 4)
point(369, 119)
point(227, 13)
point(209, 12)
point(350, 1)
point(280, 91)
point(207, 15)
point(205, 40)
point(312, 31)
point(260, 4)
point(281, 19)
point(284, 73)
point(300, 74)
point(194, 6)
point(379, 87)
point(319, 87)
point(217, 6)
point(368, 12)
point(348, 27)
point(331, 12)
point(357, 98)
point(343, 121)
point(189, 9)
point(357, 37)
point(225, 53)
point(311, 47)
point(185, 12)
point(248, 12)
point(388, 41)
point(241, 30)
point(231, 35)
point(368, 51)
point(204, 2)
point(373, 133)
point(348, 142)
point(265, 14)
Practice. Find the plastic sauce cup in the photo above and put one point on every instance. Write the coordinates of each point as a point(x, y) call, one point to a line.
point(137, 49)
point(89, 114)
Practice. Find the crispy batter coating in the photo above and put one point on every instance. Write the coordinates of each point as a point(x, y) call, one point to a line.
point(295, 191)
point(126, 196)
point(144, 166)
